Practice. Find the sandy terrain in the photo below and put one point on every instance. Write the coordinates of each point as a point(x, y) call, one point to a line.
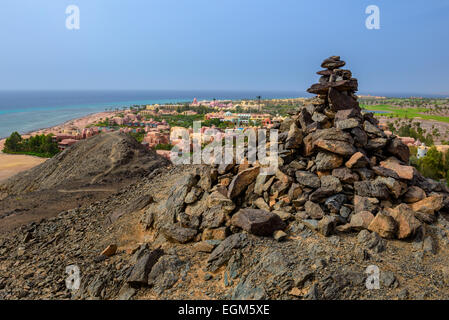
point(13, 164)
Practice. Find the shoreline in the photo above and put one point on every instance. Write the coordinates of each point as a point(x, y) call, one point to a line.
point(12, 164)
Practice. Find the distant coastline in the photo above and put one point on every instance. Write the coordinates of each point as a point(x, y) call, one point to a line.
point(30, 111)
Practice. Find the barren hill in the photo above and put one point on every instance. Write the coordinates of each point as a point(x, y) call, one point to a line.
point(88, 171)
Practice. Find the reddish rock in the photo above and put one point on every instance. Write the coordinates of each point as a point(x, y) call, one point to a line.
point(429, 205)
point(358, 160)
point(110, 250)
point(408, 225)
point(404, 172)
point(361, 220)
point(384, 225)
point(257, 222)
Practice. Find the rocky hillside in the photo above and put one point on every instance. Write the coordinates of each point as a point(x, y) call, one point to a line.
point(344, 198)
point(88, 171)
point(102, 159)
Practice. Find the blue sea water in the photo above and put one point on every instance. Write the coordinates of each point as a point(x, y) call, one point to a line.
point(25, 111)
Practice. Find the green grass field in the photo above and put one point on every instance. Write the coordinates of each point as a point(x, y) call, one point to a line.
point(410, 113)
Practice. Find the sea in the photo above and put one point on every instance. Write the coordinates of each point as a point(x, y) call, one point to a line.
point(26, 111)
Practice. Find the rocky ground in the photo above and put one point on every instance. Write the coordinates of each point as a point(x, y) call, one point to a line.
point(304, 265)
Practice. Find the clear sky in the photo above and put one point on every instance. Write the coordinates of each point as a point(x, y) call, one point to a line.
point(222, 44)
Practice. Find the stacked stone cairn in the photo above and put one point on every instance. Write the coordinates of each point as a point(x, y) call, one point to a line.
point(338, 173)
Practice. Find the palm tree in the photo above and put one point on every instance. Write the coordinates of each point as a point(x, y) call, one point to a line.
point(259, 98)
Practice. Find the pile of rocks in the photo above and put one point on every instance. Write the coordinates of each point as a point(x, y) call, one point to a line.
point(338, 172)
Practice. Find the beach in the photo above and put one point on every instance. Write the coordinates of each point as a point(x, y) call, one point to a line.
point(11, 164)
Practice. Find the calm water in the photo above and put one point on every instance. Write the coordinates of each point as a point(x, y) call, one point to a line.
point(24, 111)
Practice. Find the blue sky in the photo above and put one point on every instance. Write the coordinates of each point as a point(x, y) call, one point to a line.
point(227, 45)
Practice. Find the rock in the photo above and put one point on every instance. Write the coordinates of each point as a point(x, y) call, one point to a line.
point(332, 63)
point(223, 168)
point(360, 137)
point(388, 279)
point(376, 144)
point(193, 195)
point(340, 101)
point(429, 205)
point(372, 129)
point(311, 224)
point(327, 161)
point(335, 146)
point(295, 191)
point(308, 179)
point(260, 182)
point(414, 194)
point(358, 160)
point(314, 210)
point(371, 240)
point(139, 272)
point(408, 225)
point(393, 185)
point(217, 199)
point(330, 184)
point(305, 119)
point(110, 250)
point(365, 204)
point(371, 189)
point(384, 172)
point(294, 138)
point(165, 273)
point(361, 220)
point(257, 222)
point(178, 234)
point(206, 246)
point(429, 245)
point(398, 149)
point(241, 181)
point(215, 234)
point(126, 292)
point(223, 252)
point(279, 235)
point(212, 218)
point(334, 203)
point(261, 204)
point(345, 114)
point(285, 216)
point(345, 175)
point(404, 172)
point(326, 226)
point(384, 225)
point(347, 123)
